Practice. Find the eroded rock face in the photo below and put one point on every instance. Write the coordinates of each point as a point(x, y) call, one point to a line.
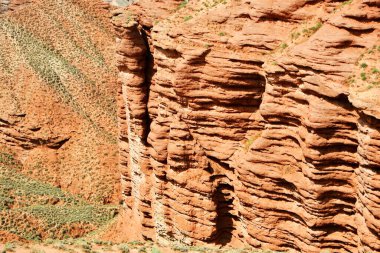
point(243, 122)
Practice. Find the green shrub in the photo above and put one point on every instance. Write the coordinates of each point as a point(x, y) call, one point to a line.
point(124, 248)
point(187, 18)
point(155, 250)
point(142, 250)
point(9, 247)
point(183, 4)
point(295, 35)
point(283, 45)
point(347, 2)
point(313, 29)
point(316, 27)
point(135, 243)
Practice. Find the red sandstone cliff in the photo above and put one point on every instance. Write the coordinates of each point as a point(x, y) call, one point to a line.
point(252, 122)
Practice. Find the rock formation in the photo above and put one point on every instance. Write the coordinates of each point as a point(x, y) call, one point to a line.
point(252, 122)
point(10, 5)
point(119, 3)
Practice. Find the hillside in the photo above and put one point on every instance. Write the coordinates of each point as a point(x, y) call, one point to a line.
point(58, 95)
point(34, 210)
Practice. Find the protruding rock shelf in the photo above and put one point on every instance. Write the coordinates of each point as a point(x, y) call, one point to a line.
point(244, 122)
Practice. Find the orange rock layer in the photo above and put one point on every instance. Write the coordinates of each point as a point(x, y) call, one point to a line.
point(240, 124)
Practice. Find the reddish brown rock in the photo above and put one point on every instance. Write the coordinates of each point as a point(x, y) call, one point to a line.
point(242, 125)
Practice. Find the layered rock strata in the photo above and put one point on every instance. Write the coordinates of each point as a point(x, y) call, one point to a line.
point(247, 122)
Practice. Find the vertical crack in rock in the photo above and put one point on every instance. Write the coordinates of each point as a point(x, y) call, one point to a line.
point(224, 208)
point(133, 64)
point(227, 220)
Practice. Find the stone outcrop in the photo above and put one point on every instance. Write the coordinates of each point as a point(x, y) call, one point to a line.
point(119, 3)
point(252, 122)
point(4, 6)
point(11, 5)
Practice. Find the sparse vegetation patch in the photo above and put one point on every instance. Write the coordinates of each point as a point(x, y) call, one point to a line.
point(183, 4)
point(34, 210)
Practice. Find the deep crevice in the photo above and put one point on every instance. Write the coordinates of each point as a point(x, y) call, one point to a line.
point(223, 199)
point(149, 71)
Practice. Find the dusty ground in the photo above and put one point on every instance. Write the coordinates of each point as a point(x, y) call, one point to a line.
point(80, 246)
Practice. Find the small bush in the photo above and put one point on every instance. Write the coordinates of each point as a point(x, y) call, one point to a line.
point(142, 250)
point(155, 250)
point(363, 76)
point(135, 243)
point(364, 65)
point(9, 247)
point(124, 248)
point(86, 246)
point(283, 45)
point(347, 2)
point(312, 29)
point(183, 4)
point(60, 246)
point(316, 27)
point(295, 35)
point(187, 18)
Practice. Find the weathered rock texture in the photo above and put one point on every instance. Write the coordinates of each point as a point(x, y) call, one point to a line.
point(247, 122)
point(119, 3)
point(11, 5)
